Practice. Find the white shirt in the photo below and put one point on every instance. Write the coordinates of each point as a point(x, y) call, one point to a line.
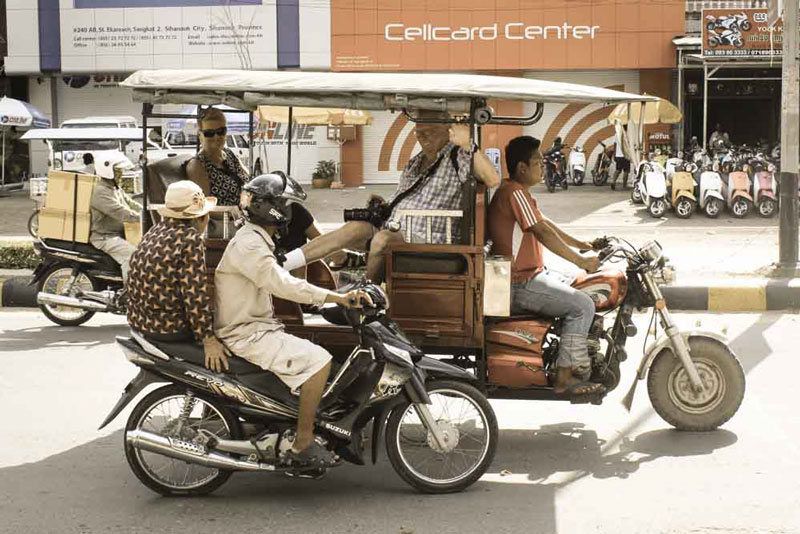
point(246, 278)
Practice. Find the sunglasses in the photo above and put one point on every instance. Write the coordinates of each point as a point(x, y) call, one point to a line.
point(221, 131)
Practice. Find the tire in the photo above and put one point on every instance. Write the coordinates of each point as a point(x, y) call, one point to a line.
point(719, 369)
point(52, 280)
point(597, 178)
point(636, 195)
point(713, 42)
point(738, 43)
point(767, 208)
point(604, 177)
point(577, 177)
point(564, 183)
point(657, 208)
point(746, 26)
point(550, 187)
point(485, 452)
point(684, 208)
point(33, 224)
point(137, 459)
point(710, 26)
point(740, 208)
point(713, 208)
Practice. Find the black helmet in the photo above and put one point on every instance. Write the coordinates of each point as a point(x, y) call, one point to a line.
point(266, 196)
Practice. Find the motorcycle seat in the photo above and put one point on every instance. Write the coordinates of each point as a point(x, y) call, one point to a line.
point(245, 372)
point(85, 249)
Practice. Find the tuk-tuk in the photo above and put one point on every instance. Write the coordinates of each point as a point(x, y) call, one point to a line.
point(440, 293)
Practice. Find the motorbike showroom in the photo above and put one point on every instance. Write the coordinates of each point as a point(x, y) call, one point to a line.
point(74, 56)
point(731, 76)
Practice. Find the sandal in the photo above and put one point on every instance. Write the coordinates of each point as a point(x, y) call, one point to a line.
point(583, 392)
point(355, 260)
point(313, 456)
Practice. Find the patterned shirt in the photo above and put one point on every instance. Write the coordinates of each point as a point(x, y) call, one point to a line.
point(439, 191)
point(512, 215)
point(167, 287)
point(226, 182)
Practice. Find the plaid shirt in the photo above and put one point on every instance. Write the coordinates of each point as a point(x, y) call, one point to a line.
point(167, 286)
point(439, 191)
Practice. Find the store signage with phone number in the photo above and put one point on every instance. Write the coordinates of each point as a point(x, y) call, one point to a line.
point(741, 33)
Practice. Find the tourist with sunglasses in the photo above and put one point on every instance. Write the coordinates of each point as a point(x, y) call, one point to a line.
point(216, 169)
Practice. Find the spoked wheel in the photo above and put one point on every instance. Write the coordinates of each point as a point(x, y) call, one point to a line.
point(713, 208)
point(767, 208)
point(675, 400)
point(59, 280)
point(469, 426)
point(169, 412)
point(657, 207)
point(740, 208)
point(33, 224)
point(684, 208)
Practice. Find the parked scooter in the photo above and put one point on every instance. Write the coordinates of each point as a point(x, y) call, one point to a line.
point(737, 194)
point(576, 168)
point(682, 191)
point(711, 197)
point(764, 190)
point(602, 164)
point(554, 173)
point(652, 188)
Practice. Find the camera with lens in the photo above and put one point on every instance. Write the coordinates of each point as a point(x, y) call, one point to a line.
point(376, 212)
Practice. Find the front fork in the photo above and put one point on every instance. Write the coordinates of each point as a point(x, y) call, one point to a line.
point(679, 345)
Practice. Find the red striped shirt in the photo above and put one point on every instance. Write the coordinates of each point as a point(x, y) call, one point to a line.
point(512, 215)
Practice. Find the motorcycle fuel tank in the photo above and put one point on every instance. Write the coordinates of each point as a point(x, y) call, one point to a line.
point(606, 288)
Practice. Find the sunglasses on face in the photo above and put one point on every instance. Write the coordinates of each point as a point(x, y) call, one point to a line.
point(221, 131)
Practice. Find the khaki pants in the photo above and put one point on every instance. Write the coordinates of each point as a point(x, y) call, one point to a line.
point(117, 248)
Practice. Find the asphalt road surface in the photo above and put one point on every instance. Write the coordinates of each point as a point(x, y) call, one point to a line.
point(559, 468)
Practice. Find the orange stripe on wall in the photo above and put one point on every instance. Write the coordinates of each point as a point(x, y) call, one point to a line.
point(385, 157)
point(594, 140)
point(405, 151)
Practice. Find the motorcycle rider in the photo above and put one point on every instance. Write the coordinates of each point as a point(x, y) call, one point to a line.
point(518, 230)
point(246, 279)
point(111, 207)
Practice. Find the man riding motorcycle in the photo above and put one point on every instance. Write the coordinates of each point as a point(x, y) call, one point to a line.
point(518, 230)
point(245, 280)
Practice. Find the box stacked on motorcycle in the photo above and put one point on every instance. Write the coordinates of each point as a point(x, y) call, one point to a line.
point(65, 214)
point(514, 353)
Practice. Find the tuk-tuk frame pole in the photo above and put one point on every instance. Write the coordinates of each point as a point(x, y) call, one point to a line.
point(146, 110)
point(289, 143)
point(250, 142)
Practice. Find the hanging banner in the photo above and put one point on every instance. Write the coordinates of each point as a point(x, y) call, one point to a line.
point(742, 33)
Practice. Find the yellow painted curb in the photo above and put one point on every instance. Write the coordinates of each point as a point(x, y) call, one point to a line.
point(737, 298)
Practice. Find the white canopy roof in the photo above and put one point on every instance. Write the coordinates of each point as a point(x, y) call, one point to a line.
point(248, 89)
point(82, 134)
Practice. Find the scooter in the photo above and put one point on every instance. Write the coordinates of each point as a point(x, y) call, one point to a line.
point(737, 194)
point(600, 173)
point(576, 166)
point(711, 198)
point(554, 174)
point(682, 191)
point(652, 188)
point(764, 187)
point(673, 164)
point(188, 436)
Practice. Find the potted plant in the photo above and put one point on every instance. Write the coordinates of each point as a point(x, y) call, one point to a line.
point(323, 174)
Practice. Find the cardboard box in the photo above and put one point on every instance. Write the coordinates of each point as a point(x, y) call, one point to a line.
point(133, 233)
point(57, 224)
point(61, 191)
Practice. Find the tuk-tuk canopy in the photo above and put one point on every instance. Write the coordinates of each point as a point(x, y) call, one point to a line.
point(314, 116)
point(85, 134)
point(351, 90)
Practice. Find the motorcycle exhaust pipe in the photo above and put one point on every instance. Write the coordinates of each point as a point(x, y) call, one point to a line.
point(193, 453)
point(72, 302)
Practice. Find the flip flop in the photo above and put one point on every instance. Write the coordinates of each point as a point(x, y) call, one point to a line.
point(313, 456)
point(355, 260)
point(583, 397)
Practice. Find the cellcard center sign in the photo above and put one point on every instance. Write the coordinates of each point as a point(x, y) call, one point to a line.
point(508, 35)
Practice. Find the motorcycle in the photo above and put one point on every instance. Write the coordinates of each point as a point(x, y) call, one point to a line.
point(651, 188)
point(576, 167)
point(554, 174)
point(731, 22)
point(75, 281)
point(600, 172)
point(711, 197)
point(189, 436)
point(695, 381)
point(727, 37)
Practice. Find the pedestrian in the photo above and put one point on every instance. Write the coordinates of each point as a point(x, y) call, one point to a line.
point(622, 163)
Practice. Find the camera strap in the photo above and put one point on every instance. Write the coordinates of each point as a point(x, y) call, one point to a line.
point(431, 171)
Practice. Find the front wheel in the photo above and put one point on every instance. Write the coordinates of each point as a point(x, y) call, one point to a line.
point(684, 208)
point(469, 426)
point(169, 412)
point(657, 207)
point(713, 208)
point(636, 195)
point(61, 280)
point(746, 26)
point(676, 402)
point(767, 208)
point(564, 182)
point(740, 208)
point(577, 177)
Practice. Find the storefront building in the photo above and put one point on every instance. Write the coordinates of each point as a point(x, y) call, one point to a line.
point(74, 54)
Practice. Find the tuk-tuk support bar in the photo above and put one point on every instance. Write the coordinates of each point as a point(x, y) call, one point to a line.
point(482, 114)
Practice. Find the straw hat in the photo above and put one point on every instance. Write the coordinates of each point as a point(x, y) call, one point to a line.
point(185, 200)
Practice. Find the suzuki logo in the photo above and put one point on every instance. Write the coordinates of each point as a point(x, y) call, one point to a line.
point(337, 429)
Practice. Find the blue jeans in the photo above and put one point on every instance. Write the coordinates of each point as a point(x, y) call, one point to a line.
point(550, 294)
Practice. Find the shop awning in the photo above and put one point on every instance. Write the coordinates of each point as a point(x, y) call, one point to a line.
point(660, 112)
point(314, 116)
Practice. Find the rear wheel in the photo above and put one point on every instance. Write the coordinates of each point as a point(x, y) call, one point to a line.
point(657, 207)
point(564, 182)
point(673, 397)
point(59, 280)
point(168, 411)
point(469, 426)
point(712, 208)
point(746, 26)
point(767, 208)
point(684, 208)
point(33, 224)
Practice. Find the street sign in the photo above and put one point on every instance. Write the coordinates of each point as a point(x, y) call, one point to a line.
point(741, 33)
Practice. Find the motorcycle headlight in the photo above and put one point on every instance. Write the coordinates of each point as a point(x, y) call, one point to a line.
point(651, 251)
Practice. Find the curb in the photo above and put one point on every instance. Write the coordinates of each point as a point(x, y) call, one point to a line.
point(17, 292)
point(782, 294)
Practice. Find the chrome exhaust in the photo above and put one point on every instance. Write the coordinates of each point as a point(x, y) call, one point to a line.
point(193, 453)
point(50, 299)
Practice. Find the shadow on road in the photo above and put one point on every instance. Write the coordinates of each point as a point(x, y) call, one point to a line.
point(59, 336)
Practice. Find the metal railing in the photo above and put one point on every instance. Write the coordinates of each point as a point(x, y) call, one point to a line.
point(408, 216)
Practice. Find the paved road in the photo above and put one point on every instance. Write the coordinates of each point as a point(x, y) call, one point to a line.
point(571, 469)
